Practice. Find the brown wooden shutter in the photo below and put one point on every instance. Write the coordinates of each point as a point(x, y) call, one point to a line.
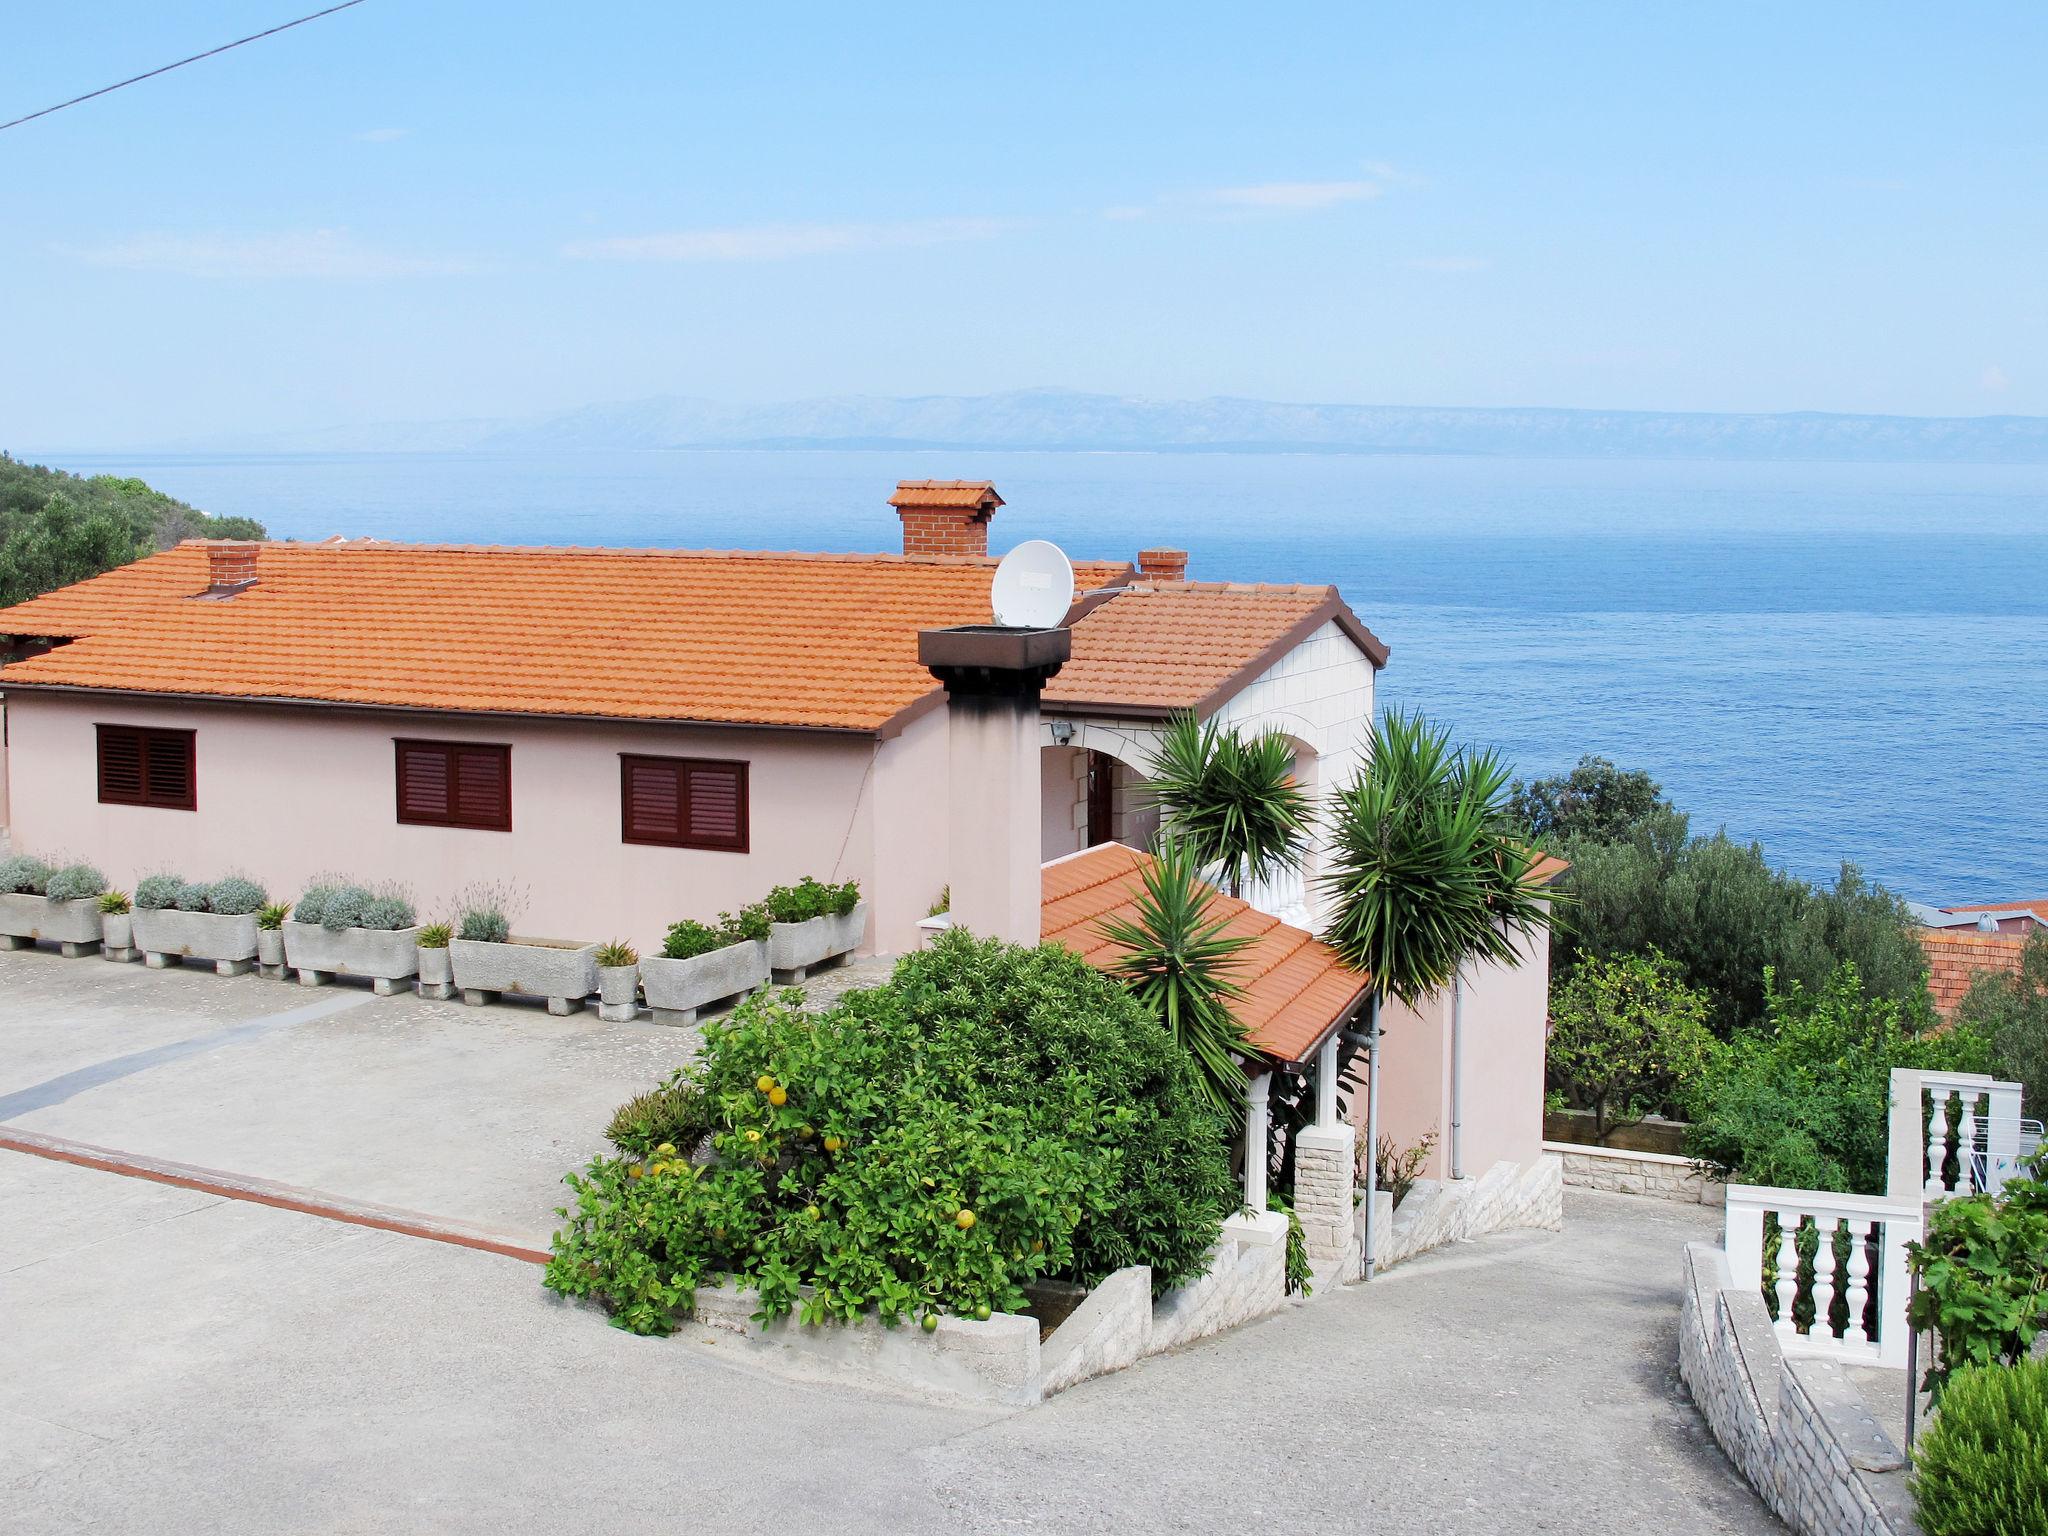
point(455, 784)
point(140, 766)
point(683, 802)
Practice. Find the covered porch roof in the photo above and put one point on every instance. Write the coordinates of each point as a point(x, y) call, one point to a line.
point(1297, 992)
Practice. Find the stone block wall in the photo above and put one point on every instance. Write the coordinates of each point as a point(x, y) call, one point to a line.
point(1435, 1212)
point(1797, 1429)
point(1618, 1171)
point(1325, 1158)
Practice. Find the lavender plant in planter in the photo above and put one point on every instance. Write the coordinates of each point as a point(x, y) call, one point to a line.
point(176, 920)
point(63, 905)
point(701, 964)
point(812, 923)
point(489, 961)
point(347, 930)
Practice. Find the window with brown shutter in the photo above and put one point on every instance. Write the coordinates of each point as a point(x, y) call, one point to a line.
point(144, 766)
point(683, 802)
point(455, 784)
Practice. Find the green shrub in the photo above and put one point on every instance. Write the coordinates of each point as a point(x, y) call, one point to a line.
point(748, 924)
point(2013, 1012)
point(1981, 1469)
point(991, 1115)
point(311, 907)
point(485, 925)
point(21, 875)
point(1802, 1101)
point(158, 893)
point(810, 898)
point(435, 936)
point(1299, 1271)
point(386, 913)
point(617, 953)
point(236, 897)
point(690, 938)
point(1983, 1268)
point(677, 1114)
point(1628, 1039)
point(75, 882)
point(115, 903)
point(194, 897)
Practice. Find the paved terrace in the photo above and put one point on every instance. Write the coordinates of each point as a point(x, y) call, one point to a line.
point(173, 1360)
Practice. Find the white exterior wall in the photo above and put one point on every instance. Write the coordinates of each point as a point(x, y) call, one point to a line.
point(1320, 694)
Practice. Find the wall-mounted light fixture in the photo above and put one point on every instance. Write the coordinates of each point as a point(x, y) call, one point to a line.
point(1062, 731)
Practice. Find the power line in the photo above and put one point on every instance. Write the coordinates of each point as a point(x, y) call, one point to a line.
point(166, 69)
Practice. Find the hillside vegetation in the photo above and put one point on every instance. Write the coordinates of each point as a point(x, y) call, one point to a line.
point(57, 528)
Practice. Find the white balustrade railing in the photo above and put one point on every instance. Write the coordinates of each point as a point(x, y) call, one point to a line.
point(1831, 1267)
point(1951, 1133)
point(1285, 896)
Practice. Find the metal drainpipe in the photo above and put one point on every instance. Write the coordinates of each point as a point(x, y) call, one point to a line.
point(1372, 1129)
point(1458, 1072)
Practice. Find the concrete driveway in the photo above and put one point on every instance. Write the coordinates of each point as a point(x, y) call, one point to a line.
point(174, 1361)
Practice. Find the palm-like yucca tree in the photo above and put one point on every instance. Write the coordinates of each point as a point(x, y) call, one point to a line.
point(1233, 801)
point(1427, 867)
point(1177, 961)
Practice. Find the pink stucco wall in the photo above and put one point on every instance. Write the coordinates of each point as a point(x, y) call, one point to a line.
point(1505, 1023)
point(285, 794)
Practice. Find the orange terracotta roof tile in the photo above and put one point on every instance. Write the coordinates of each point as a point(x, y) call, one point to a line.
point(1956, 959)
point(2036, 906)
point(967, 494)
point(1296, 989)
point(1158, 647)
point(741, 637)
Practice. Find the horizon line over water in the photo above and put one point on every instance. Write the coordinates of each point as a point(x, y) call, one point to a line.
point(1833, 658)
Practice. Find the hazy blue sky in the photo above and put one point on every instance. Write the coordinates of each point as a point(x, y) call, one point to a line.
point(433, 208)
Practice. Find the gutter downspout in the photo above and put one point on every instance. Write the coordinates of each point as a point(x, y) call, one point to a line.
point(1372, 1129)
point(1458, 1072)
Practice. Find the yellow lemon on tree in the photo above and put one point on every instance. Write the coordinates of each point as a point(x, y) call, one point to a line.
point(666, 1149)
point(635, 1171)
point(833, 1143)
point(753, 1135)
point(764, 1082)
point(964, 1220)
point(811, 1211)
point(778, 1096)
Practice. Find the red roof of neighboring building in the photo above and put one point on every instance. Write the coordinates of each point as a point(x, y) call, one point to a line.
point(1956, 958)
point(737, 637)
point(1296, 989)
point(2038, 906)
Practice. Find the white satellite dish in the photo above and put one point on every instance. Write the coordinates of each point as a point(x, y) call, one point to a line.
point(1034, 586)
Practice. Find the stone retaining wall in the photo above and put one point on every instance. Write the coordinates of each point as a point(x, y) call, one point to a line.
point(1622, 1172)
point(1796, 1429)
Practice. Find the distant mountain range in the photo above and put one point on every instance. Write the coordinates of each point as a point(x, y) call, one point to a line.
point(1069, 420)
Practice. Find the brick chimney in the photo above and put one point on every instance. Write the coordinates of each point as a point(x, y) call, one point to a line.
point(230, 566)
point(945, 517)
point(1163, 564)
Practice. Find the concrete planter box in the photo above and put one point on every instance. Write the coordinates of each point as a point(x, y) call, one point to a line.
point(167, 935)
point(117, 936)
point(388, 956)
point(73, 924)
point(564, 974)
point(795, 948)
point(270, 951)
point(618, 993)
point(437, 974)
point(676, 989)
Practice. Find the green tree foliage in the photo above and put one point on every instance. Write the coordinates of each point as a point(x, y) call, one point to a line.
point(1982, 1467)
point(1230, 798)
point(2013, 1012)
point(1983, 1270)
point(1177, 961)
point(1628, 1039)
point(1427, 866)
point(1596, 801)
point(992, 1114)
point(57, 528)
point(1802, 1100)
point(1724, 916)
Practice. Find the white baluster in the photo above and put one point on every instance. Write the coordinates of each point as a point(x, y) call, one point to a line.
point(1788, 1269)
point(1859, 1281)
point(1937, 1140)
point(1968, 1175)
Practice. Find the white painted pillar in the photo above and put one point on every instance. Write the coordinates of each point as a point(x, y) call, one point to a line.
point(1258, 1124)
point(1326, 1085)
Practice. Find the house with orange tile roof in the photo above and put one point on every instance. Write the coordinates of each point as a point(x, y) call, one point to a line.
point(632, 735)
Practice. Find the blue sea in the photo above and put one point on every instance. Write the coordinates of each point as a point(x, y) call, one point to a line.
point(1841, 661)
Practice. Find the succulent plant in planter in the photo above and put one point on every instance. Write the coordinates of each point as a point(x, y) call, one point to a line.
point(437, 976)
point(270, 937)
point(37, 902)
point(117, 926)
point(618, 982)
